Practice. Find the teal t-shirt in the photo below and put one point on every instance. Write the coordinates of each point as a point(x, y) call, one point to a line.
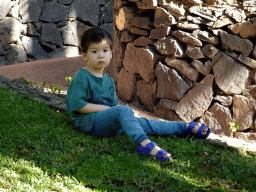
point(86, 88)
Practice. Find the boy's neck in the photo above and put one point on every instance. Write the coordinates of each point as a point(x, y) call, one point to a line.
point(98, 73)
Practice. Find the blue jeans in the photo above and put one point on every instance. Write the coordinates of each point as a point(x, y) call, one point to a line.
point(119, 119)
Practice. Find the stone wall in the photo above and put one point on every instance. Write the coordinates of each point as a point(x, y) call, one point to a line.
point(44, 29)
point(188, 60)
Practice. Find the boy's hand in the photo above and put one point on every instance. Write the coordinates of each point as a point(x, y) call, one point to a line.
point(91, 108)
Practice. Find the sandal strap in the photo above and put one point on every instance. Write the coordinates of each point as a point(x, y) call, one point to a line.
point(146, 150)
point(160, 155)
point(200, 131)
point(191, 126)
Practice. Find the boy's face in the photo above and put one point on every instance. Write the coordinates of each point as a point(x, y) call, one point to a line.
point(98, 55)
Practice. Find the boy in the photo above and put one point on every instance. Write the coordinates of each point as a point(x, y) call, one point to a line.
point(93, 103)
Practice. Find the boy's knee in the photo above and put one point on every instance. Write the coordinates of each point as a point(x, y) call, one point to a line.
point(124, 108)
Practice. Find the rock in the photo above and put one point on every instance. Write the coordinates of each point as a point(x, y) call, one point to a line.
point(138, 31)
point(236, 43)
point(198, 11)
point(230, 75)
point(106, 15)
point(168, 104)
point(245, 136)
point(218, 118)
point(2, 51)
point(51, 34)
point(31, 30)
point(143, 41)
point(208, 64)
point(159, 33)
point(187, 38)
point(147, 93)
point(14, 12)
point(123, 18)
point(206, 36)
point(222, 21)
point(86, 11)
point(53, 12)
point(16, 54)
point(209, 51)
point(163, 110)
point(199, 20)
point(69, 34)
point(65, 2)
point(170, 46)
point(194, 52)
point(140, 60)
point(254, 51)
point(253, 76)
point(247, 61)
point(33, 48)
point(65, 51)
point(10, 31)
point(200, 67)
point(175, 9)
point(5, 7)
point(2, 61)
point(141, 22)
point(224, 100)
point(196, 101)
point(30, 10)
point(183, 67)
point(126, 85)
point(245, 30)
point(147, 4)
point(188, 26)
point(169, 84)
point(163, 18)
point(126, 37)
point(243, 112)
point(108, 27)
point(196, 2)
point(237, 14)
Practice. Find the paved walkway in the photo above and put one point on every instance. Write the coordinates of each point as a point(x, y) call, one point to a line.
point(54, 72)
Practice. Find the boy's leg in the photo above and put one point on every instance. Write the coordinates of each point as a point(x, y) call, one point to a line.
point(157, 127)
point(117, 119)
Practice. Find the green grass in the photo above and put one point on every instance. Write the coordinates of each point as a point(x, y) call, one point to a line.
point(41, 151)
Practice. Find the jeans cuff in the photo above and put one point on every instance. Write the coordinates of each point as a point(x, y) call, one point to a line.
point(141, 138)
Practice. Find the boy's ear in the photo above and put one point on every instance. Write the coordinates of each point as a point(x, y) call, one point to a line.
point(84, 56)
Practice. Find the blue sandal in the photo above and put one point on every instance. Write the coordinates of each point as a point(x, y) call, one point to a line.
point(146, 150)
point(200, 130)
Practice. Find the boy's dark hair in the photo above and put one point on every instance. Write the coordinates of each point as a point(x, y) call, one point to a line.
point(95, 35)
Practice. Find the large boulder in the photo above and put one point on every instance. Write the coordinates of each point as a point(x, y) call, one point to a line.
point(196, 101)
point(243, 112)
point(230, 75)
point(10, 31)
point(54, 12)
point(234, 42)
point(126, 85)
point(169, 84)
point(85, 10)
point(51, 34)
point(16, 54)
point(218, 118)
point(170, 46)
point(140, 60)
point(30, 10)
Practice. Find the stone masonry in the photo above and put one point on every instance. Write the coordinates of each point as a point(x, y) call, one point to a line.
point(189, 60)
point(38, 29)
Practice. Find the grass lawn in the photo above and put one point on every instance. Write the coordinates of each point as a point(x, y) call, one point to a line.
point(41, 151)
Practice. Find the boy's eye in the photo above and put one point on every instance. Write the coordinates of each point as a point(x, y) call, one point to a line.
point(94, 51)
point(105, 50)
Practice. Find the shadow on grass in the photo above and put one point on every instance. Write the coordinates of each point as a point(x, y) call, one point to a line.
point(45, 138)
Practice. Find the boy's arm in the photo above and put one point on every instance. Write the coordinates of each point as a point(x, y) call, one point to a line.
point(90, 108)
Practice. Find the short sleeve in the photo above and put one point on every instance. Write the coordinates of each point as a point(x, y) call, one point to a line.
point(77, 96)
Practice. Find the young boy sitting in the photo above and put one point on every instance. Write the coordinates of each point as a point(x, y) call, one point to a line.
point(93, 103)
